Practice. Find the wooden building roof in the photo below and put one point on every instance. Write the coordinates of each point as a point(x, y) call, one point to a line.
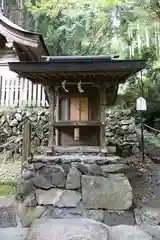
point(29, 46)
point(78, 68)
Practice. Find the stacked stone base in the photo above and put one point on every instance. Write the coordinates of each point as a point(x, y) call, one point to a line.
point(75, 186)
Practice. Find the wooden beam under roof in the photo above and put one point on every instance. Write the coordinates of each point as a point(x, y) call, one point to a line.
point(99, 69)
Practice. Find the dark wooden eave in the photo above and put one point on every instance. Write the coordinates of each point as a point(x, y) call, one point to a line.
point(94, 69)
point(29, 46)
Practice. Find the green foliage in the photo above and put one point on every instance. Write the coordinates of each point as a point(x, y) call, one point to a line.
point(153, 138)
point(114, 2)
point(150, 89)
point(84, 27)
point(74, 27)
point(145, 14)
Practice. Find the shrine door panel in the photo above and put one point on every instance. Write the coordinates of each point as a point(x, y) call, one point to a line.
point(79, 109)
point(84, 109)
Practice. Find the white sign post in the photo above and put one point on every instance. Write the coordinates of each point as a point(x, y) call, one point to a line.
point(141, 106)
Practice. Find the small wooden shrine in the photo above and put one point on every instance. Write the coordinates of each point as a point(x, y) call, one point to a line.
point(79, 90)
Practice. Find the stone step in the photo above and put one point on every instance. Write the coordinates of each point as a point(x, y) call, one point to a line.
point(89, 159)
point(79, 149)
point(59, 150)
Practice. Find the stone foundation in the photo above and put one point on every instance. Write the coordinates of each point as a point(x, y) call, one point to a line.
point(73, 186)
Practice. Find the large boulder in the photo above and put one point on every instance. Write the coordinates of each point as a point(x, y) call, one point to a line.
point(55, 175)
point(69, 199)
point(28, 215)
point(68, 229)
point(123, 232)
point(113, 192)
point(25, 187)
point(114, 168)
point(73, 213)
point(114, 218)
point(13, 233)
point(85, 229)
point(73, 179)
point(58, 197)
point(50, 197)
point(42, 182)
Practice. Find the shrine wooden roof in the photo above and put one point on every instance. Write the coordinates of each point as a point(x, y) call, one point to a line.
point(29, 46)
point(78, 68)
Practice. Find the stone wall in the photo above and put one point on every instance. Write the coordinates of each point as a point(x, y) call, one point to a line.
point(74, 186)
point(120, 131)
point(11, 130)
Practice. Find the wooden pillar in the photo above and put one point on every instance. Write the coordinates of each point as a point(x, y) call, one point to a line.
point(26, 149)
point(102, 90)
point(51, 97)
point(57, 116)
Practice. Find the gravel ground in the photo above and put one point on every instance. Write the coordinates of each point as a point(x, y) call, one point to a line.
point(145, 180)
point(10, 171)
